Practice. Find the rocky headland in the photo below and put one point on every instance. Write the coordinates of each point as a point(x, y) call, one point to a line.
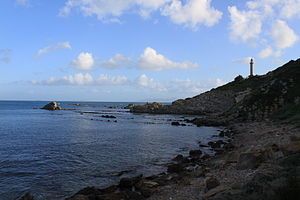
point(257, 152)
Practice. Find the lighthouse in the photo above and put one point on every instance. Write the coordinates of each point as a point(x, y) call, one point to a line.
point(251, 67)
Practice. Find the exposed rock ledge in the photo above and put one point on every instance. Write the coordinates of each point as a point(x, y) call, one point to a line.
point(52, 106)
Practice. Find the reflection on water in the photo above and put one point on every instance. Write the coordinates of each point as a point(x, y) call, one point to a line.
point(54, 154)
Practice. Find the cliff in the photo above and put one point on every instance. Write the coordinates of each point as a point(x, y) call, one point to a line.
point(275, 94)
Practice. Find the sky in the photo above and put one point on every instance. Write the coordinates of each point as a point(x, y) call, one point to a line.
point(139, 50)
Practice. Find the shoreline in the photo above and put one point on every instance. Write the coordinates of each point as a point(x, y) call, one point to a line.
point(252, 153)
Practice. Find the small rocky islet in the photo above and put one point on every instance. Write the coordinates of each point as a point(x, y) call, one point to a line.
point(256, 153)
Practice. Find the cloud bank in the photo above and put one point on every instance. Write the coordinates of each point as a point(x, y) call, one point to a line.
point(252, 25)
point(150, 59)
point(190, 13)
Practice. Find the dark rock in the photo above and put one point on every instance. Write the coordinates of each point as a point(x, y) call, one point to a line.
point(175, 124)
point(27, 196)
point(209, 122)
point(275, 147)
point(239, 78)
point(89, 191)
point(222, 134)
point(202, 145)
point(175, 168)
point(52, 106)
point(188, 120)
point(205, 157)
point(249, 161)
point(108, 116)
point(109, 189)
point(131, 195)
point(195, 153)
point(211, 183)
point(219, 151)
point(216, 144)
point(178, 158)
point(228, 146)
point(128, 183)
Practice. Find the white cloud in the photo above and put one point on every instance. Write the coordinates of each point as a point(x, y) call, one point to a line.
point(193, 13)
point(104, 9)
point(185, 87)
point(116, 61)
point(244, 25)
point(283, 35)
point(76, 79)
point(54, 47)
point(146, 82)
point(84, 61)
point(191, 87)
point(5, 55)
point(265, 53)
point(84, 79)
point(111, 80)
point(290, 9)
point(152, 60)
point(254, 25)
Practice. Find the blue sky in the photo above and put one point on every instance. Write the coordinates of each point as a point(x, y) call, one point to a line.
point(139, 50)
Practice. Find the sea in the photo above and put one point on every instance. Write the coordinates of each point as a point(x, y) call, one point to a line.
point(54, 154)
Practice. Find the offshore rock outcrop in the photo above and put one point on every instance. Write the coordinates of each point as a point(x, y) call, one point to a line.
point(52, 106)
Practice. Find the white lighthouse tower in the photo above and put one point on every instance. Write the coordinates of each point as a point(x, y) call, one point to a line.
point(251, 67)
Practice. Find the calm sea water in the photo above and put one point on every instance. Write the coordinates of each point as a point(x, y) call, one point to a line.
point(55, 154)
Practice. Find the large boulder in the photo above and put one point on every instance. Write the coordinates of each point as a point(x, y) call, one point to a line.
point(211, 182)
point(250, 160)
point(128, 183)
point(52, 106)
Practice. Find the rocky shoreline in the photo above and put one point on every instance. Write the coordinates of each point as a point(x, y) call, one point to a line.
point(255, 160)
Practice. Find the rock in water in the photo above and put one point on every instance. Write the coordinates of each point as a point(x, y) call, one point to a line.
point(52, 106)
point(27, 196)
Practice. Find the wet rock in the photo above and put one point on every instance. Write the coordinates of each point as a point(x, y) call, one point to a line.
point(209, 122)
point(226, 133)
point(128, 183)
point(228, 146)
point(89, 191)
point(219, 151)
point(249, 160)
point(178, 158)
point(211, 182)
point(108, 116)
point(131, 195)
point(216, 144)
point(222, 134)
point(195, 153)
point(52, 106)
point(175, 124)
point(205, 157)
point(203, 145)
point(26, 196)
point(175, 168)
point(79, 197)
